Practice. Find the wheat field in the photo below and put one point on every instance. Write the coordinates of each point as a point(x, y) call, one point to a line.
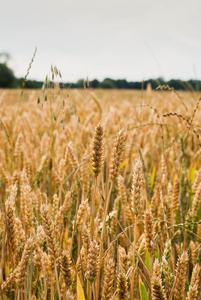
point(100, 194)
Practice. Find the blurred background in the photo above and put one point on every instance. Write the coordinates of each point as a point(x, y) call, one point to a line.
point(132, 40)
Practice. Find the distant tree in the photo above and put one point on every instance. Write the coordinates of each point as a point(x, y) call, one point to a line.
point(94, 83)
point(196, 84)
point(154, 83)
point(7, 78)
point(122, 84)
point(32, 84)
point(135, 85)
point(108, 83)
point(80, 84)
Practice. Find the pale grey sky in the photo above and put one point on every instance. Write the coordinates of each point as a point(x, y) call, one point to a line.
point(132, 39)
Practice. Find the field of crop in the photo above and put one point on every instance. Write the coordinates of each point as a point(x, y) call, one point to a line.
point(100, 194)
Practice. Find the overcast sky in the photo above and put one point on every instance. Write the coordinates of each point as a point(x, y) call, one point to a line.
point(132, 39)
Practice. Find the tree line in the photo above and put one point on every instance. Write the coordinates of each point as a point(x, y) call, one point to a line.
point(8, 80)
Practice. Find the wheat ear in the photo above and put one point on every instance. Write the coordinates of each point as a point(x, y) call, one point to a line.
point(194, 284)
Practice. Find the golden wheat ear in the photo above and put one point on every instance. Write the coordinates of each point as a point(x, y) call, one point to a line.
point(11, 226)
point(138, 184)
point(85, 176)
point(175, 195)
point(22, 267)
point(157, 289)
point(108, 285)
point(194, 284)
point(93, 262)
point(180, 279)
point(118, 154)
point(72, 156)
point(149, 232)
point(122, 286)
point(50, 234)
point(97, 150)
point(66, 268)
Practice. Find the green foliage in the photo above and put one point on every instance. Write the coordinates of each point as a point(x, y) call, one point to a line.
point(94, 84)
point(147, 260)
point(7, 78)
point(143, 291)
point(80, 84)
point(108, 84)
point(157, 253)
point(30, 84)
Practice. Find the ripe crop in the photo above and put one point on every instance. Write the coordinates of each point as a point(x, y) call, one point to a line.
point(100, 194)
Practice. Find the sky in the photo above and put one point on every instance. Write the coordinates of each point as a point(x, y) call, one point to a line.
point(131, 39)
